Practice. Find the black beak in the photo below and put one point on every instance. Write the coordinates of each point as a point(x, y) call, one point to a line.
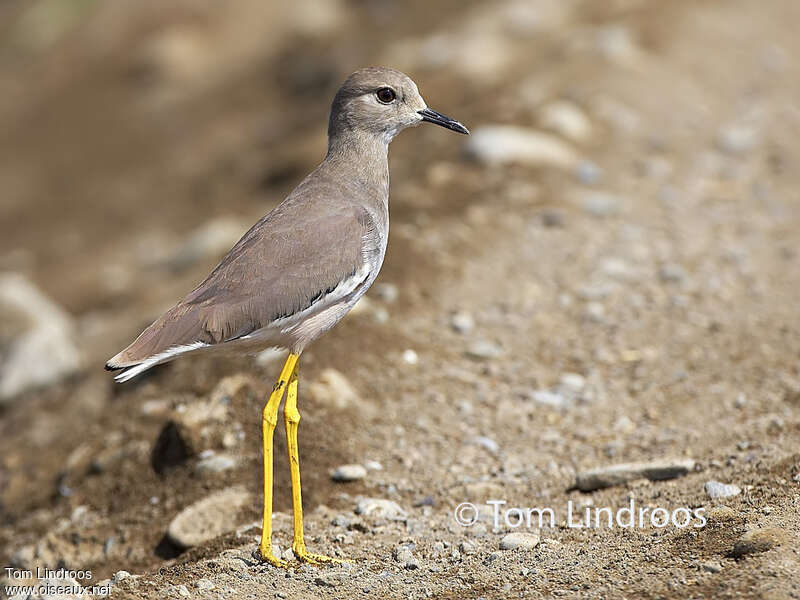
point(431, 116)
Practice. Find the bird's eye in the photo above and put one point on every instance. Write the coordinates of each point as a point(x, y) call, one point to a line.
point(386, 95)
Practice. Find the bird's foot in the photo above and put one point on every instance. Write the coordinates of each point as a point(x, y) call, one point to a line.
point(316, 559)
point(266, 555)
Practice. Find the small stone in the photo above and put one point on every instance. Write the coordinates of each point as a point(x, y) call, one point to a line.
point(759, 540)
point(553, 218)
point(505, 144)
point(32, 329)
point(402, 553)
point(717, 490)
point(484, 350)
point(462, 322)
point(378, 507)
point(333, 389)
point(600, 204)
point(738, 139)
point(208, 518)
point(588, 173)
point(340, 521)
point(521, 540)
point(216, 463)
point(410, 357)
point(119, 576)
point(672, 273)
point(594, 312)
point(467, 548)
point(387, 292)
point(205, 584)
point(711, 566)
point(567, 120)
point(175, 591)
point(549, 399)
point(373, 465)
point(494, 556)
point(325, 582)
point(487, 443)
point(603, 477)
point(572, 383)
point(346, 473)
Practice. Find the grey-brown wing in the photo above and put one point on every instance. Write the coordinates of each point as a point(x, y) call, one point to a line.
point(281, 265)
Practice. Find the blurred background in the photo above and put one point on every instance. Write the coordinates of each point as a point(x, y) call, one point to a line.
point(605, 271)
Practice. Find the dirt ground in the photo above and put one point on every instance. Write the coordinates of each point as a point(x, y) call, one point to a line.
point(621, 290)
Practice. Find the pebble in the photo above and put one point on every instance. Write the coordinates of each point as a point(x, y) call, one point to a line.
point(119, 576)
point(759, 540)
point(205, 584)
point(518, 539)
point(462, 322)
point(572, 383)
point(717, 490)
point(711, 566)
point(672, 273)
point(483, 350)
point(346, 473)
point(379, 507)
point(594, 312)
point(333, 389)
point(467, 548)
point(216, 463)
point(737, 139)
point(410, 357)
point(175, 591)
point(487, 443)
point(387, 292)
point(588, 173)
point(566, 119)
point(40, 329)
point(549, 399)
point(208, 518)
point(504, 144)
point(603, 477)
point(600, 204)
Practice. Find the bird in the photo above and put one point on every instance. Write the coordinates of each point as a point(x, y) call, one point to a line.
point(300, 269)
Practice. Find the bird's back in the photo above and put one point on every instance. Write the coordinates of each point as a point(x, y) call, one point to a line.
point(320, 245)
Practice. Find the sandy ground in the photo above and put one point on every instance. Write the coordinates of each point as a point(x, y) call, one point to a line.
point(623, 289)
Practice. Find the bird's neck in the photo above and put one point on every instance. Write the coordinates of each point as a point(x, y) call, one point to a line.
point(360, 157)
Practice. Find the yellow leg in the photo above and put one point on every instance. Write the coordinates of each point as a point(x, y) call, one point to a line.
point(269, 420)
point(292, 419)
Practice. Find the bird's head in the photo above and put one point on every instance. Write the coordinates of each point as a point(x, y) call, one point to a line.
point(382, 102)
